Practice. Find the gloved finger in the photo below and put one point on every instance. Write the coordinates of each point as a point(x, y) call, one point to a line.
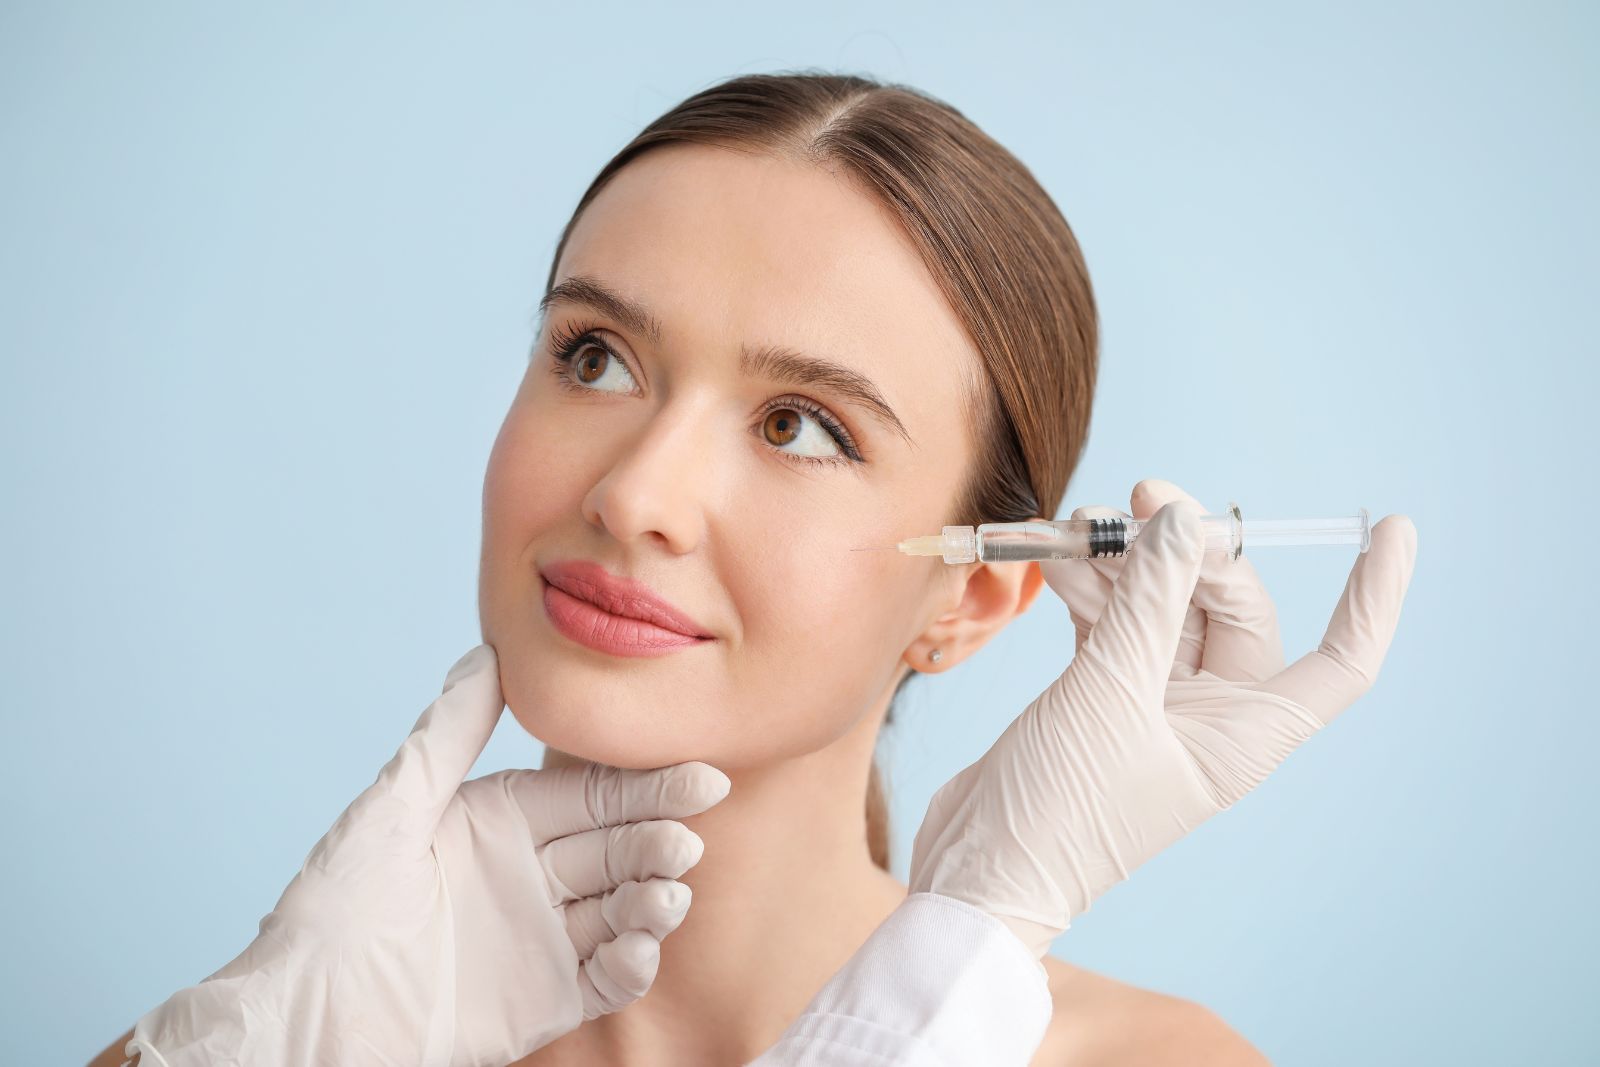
point(1136, 638)
point(1232, 629)
point(418, 783)
point(566, 800)
point(619, 973)
point(1085, 584)
point(655, 906)
point(1346, 663)
point(590, 863)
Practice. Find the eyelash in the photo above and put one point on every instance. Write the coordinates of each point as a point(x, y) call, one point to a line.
point(567, 342)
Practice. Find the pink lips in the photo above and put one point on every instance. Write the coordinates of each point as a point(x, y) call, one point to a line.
point(621, 616)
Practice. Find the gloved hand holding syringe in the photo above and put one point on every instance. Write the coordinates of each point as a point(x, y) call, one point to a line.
point(1100, 538)
point(1176, 702)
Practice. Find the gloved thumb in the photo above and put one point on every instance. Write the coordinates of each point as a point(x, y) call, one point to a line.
point(1136, 637)
point(446, 741)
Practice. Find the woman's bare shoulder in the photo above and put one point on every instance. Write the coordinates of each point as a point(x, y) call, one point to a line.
point(1099, 1020)
point(112, 1056)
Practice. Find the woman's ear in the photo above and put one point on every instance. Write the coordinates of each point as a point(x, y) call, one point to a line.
point(991, 595)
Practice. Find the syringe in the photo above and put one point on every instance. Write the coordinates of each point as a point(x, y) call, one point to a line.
point(1004, 542)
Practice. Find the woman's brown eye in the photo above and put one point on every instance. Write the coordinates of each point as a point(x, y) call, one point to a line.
point(782, 426)
point(595, 363)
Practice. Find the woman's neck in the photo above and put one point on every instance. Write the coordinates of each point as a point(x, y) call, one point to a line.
point(784, 894)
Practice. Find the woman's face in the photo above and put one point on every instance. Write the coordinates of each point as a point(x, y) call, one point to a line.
point(720, 486)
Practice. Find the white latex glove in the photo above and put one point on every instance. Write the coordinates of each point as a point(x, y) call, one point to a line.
point(1169, 713)
point(449, 922)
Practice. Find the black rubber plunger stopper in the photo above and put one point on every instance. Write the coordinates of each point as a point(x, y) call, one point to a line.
point(1107, 537)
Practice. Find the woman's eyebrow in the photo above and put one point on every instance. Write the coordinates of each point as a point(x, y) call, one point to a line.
point(773, 362)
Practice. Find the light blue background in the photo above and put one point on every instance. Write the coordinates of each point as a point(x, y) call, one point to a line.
point(267, 283)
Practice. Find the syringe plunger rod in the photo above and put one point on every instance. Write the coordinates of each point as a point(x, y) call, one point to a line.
point(1002, 542)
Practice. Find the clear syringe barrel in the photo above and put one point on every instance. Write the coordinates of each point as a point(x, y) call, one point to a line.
point(1002, 542)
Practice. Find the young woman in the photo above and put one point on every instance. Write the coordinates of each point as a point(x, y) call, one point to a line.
point(796, 314)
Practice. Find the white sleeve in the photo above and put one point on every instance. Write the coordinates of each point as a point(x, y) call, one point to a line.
point(938, 984)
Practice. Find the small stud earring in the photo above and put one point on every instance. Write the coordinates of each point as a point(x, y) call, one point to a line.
point(935, 656)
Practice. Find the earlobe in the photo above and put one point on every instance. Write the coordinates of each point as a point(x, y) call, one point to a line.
point(927, 659)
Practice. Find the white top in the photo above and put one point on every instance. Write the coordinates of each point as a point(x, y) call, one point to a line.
point(938, 984)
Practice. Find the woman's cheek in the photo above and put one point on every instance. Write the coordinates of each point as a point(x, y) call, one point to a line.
point(809, 683)
point(529, 484)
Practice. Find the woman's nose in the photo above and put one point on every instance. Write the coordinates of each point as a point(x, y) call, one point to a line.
point(657, 481)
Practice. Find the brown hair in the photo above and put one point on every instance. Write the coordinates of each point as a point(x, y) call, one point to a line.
point(992, 238)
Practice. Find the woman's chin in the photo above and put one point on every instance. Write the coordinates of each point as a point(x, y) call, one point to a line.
point(598, 738)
